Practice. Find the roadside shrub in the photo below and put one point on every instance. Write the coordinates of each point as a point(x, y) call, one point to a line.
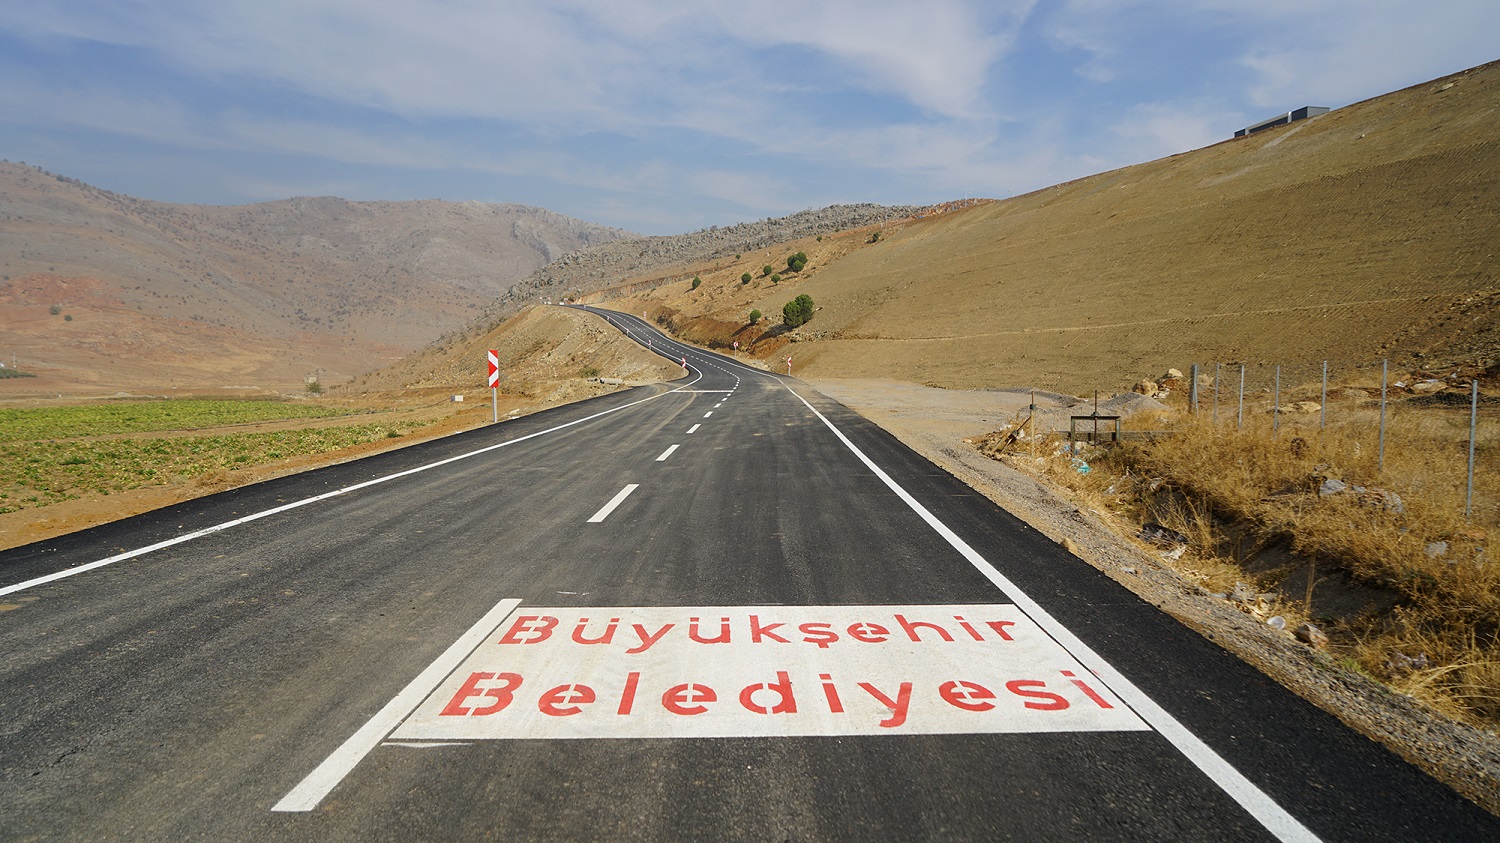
point(797, 311)
point(796, 262)
point(754, 316)
point(874, 238)
point(766, 270)
point(696, 282)
point(820, 238)
point(55, 309)
point(775, 279)
point(314, 388)
point(745, 279)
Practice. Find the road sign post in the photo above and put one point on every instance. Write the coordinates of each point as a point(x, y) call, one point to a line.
point(494, 359)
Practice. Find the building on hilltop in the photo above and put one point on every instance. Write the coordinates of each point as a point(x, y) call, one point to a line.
point(1302, 113)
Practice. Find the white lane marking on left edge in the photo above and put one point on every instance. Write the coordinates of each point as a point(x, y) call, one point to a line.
point(605, 510)
point(142, 551)
point(666, 453)
point(1266, 811)
point(326, 776)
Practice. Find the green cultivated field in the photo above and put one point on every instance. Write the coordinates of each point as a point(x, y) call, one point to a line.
point(45, 460)
point(143, 417)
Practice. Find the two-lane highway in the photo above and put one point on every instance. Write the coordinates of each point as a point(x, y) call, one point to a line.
point(720, 608)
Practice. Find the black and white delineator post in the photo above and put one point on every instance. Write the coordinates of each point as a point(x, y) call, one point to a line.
point(494, 358)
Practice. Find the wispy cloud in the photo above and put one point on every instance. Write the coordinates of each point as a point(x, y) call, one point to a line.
point(670, 112)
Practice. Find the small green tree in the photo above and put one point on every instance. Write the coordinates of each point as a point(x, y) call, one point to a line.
point(875, 238)
point(775, 279)
point(314, 388)
point(766, 270)
point(745, 279)
point(797, 311)
point(796, 262)
point(754, 316)
point(820, 238)
point(696, 282)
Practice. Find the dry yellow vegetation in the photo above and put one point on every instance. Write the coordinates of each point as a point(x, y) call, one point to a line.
point(1364, 233)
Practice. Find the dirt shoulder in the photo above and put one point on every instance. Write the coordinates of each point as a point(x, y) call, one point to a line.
point(934, 422)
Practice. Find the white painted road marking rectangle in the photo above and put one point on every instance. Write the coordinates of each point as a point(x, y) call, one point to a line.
point(707, 414)
point(694, 428)
point(767, 671)
point(666, 453)
point(326, 776)
point(618, 499)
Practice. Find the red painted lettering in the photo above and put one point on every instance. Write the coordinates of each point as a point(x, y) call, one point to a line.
point(455, 707)
point(564, 700)
point(999, 626)
point(821, 634)
point(502, 695)
point(898, 707)
point(971, 630)
point(627, 699)
point(607, 637)
point(911, 627)
point(530, 629)
point(870, 633)
point(835, 705)
point(756, 631)
point(1093, 695)
point(723, 636)
point(685, 699)
point(1019, 688)
point(968, 696)
point(782, 688)
point(647, 639)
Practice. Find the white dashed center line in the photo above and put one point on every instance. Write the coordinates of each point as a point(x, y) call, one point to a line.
point(707, 414)
point(604, 511)
point(666, 453)
point(694, 428)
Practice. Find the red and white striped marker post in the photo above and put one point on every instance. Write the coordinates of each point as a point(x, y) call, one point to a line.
point(789, 365)
point(494, 358)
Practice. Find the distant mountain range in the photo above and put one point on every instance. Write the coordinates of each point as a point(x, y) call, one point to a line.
point(104, 289)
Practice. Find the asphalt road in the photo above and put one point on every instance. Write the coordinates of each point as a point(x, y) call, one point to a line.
point(722, 608)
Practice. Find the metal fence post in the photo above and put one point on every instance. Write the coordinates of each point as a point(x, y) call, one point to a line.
point(1239, 422)
point(1384, 373)
point(1473, 424)
point(1276, 404)
point(1323, 403)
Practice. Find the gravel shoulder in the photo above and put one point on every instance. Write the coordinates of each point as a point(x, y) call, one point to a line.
point(934, 423)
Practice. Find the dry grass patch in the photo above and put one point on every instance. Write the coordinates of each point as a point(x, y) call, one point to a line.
point(1431, 628)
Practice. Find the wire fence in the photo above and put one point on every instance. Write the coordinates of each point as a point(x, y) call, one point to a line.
point(1373, 403)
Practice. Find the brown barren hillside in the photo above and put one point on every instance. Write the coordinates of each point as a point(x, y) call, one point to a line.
point(1367, 232)
point(261, 294)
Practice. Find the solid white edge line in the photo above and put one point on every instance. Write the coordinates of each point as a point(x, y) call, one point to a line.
point(618, 499)
point(666, 453)
point(1250, 797)
point(186, 537)
point(327, 775)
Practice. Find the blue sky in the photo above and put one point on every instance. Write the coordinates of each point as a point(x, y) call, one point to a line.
point(665, 116)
